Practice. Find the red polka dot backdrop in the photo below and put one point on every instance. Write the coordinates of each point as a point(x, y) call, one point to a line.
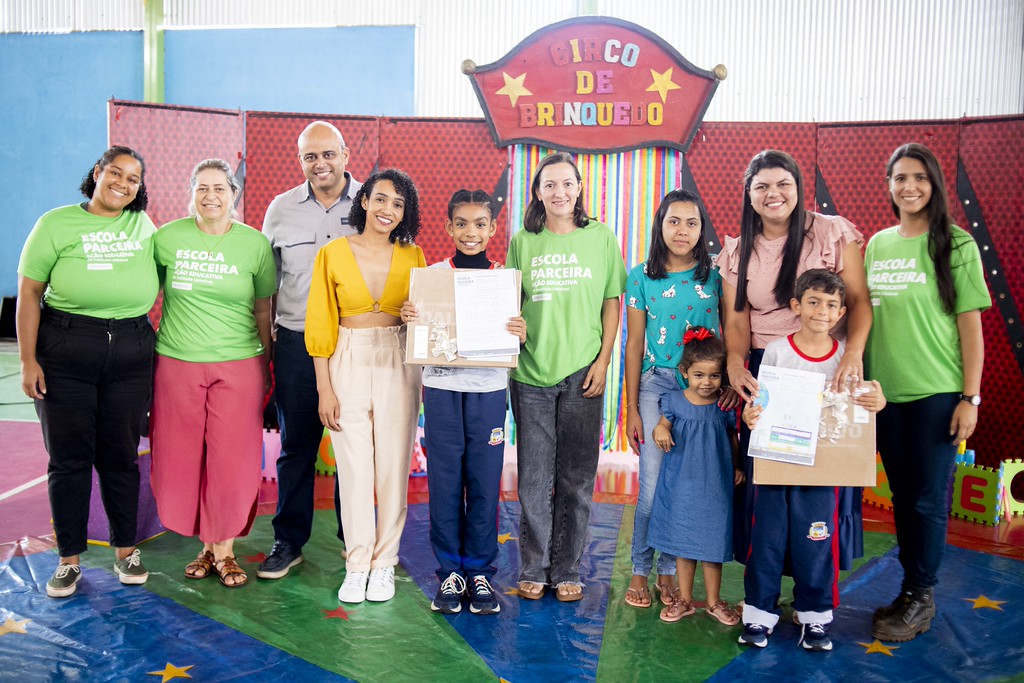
point(991, 153)
point(442, 156)
point(852, 159)
point(272, 154)
point(980, 160)
point(721, 152)
point(173, 140)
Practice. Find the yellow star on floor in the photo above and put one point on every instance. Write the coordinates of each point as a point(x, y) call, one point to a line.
point(12, 625)
point(505, 538)
point(513, 87)
point(662, 83)
point(512, 591)
point(878, 647)
point(170, 671)
point(981, 602)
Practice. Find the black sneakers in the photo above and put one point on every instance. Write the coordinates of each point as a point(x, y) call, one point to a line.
point(449, 595)
point(481, 596)
point(281, 559)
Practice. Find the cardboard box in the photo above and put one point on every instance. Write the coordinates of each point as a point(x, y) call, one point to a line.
point(849, 461)
point(433, 292)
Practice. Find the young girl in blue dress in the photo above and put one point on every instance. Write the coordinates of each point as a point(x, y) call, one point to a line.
point(691, 517)
point(676, 288)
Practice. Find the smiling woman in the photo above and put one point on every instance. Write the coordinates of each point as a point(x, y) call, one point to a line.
point(369, 397)
point(87, 281)
point(213, 350)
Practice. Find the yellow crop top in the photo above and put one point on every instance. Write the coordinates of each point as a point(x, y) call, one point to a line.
point(339, 291)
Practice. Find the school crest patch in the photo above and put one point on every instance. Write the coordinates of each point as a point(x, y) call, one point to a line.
point(497, 436)
point(818, 531)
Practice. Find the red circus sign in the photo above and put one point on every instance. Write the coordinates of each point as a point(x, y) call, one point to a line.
point(594, 84)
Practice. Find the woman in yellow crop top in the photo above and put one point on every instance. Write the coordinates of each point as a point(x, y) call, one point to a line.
point(369, 398)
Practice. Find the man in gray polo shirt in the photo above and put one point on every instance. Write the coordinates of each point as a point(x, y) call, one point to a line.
point(298, 223)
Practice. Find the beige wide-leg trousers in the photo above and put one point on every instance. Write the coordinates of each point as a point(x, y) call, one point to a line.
point(379, 397)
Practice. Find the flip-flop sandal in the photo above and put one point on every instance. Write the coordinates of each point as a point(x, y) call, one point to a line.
point(564, 595)
point(667, 593)
point(723, 613)
point(677, 610)
point(228, 567)
point(638, 597)
point(201, 567)
point(530, 590)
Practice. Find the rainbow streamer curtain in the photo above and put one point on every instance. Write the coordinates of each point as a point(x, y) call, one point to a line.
point(623, 191)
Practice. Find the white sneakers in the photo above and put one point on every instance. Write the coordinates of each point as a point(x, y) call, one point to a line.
point(353, 589)
point(382, 584)
point(377, 586)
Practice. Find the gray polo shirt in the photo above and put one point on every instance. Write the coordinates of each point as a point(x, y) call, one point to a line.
point(297, 225)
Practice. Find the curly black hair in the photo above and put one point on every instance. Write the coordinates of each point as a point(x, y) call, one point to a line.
point(88, 185)
point(710, 348)
point(407, 230)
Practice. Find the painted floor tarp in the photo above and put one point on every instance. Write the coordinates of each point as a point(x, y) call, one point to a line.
point(295, 629)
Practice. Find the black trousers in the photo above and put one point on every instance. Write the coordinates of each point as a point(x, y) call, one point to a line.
point(99, 378)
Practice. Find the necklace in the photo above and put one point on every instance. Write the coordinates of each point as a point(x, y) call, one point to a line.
point(211, 245)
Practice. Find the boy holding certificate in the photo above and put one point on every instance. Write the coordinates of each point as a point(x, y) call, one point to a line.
point(800, 521)
point(464, 434)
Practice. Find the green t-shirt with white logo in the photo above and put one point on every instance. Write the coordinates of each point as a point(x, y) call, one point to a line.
point(93, 265)
point(566, 279)
point(211, 283)
point(914, 347)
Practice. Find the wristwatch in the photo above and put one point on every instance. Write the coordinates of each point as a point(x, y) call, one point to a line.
point(974, 400)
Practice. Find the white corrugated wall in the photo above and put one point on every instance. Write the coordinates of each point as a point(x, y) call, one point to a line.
point(788, 60)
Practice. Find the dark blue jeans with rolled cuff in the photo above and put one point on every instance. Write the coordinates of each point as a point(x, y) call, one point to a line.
point(919, 459)
point(301, 433)
point(558, 443)
point(99, 384)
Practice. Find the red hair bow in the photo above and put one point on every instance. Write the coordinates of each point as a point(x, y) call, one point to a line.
point(699, 333)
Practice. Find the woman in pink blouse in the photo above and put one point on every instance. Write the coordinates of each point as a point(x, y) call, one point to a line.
point(779, 239)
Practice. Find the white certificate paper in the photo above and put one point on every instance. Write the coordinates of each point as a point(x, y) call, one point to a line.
point(787, 430)
point(484, 302)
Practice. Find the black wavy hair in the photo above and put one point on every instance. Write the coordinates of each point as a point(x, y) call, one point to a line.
point(751, 225)
point(710, 348)
point(658, 252)
point(88, 185)
point(464, 196)
point(533, 217)
point(940, 235)
point(405, 232)
point(821, 280)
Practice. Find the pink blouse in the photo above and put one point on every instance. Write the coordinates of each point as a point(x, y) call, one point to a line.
point(823, 248)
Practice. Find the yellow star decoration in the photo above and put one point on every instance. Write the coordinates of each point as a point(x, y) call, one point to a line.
point(514, 88)
point(512, 591)
point(12, 625)
point(878, 647)
point(981, 602)
point(505, 538)
point(662, 83)
point(170, 671)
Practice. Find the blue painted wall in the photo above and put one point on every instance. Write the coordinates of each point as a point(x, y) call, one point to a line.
point(54, 91)
point(53, 108)
point(358, 70)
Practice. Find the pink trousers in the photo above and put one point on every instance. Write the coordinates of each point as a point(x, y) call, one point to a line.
point(207, 441)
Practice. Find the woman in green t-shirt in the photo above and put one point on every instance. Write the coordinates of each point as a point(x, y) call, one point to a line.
point(86, 282)
point(213, 350)
point(926, 348)
point(573, 275)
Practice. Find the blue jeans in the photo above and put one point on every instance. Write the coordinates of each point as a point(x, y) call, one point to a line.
point(653, 384)
point(914, 441)
point(301, 432)
point(559, 439)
